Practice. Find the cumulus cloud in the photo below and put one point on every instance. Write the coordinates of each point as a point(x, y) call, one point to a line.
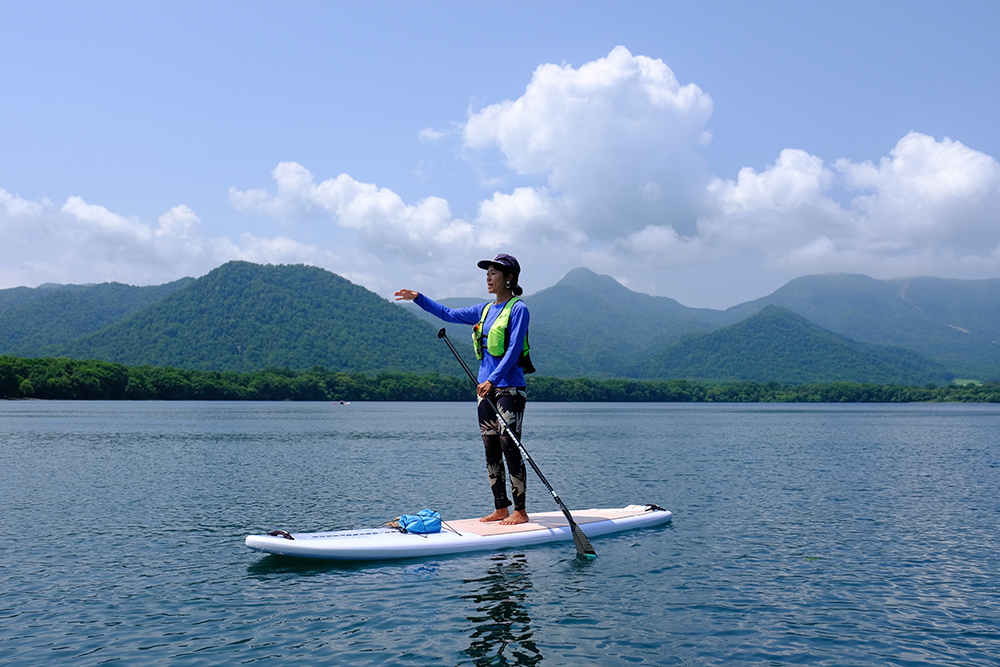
point(525, 213)
point(618, 143)
point(616, 139)
point(386, 242)
point(81, 242)
point(379, 218)
point(601, 166)
point(927, 193)
point(929, 208)
point(783, 205)
point(14, 208)
point(109, 229)
point(180, 221)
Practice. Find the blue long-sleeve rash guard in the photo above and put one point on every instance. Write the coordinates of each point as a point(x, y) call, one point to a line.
point(500, 371)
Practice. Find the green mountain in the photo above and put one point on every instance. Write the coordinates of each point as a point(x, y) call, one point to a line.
point(242, 317)
point(591, 325)
point(15, 297)
point(247, 317)
point(33, 319)
point(777, 344)
point(953, 322)
point(956, 322)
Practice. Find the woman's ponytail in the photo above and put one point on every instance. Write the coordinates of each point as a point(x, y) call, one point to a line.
point(512, 285)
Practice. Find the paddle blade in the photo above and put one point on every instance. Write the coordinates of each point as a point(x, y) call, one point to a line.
point(583, 546)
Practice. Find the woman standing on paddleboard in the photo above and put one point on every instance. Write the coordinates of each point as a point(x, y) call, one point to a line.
point(500, 336)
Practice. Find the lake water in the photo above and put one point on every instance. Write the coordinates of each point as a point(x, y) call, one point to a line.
point(804, 534)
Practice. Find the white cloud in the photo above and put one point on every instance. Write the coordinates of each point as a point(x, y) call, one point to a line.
point(603, 168)
point(796, 179)
point(431, 135)
point(14, 208)
point(927, 193)
point(180, 221)
point(783, 206)
point(110, 229)
point(526, 213)
point(617, 139)
point(80, 242)
point(378, 219)
point(657, 245)
point(929, 208)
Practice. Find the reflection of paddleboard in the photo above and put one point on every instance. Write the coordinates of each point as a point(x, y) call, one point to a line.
point(455, 536)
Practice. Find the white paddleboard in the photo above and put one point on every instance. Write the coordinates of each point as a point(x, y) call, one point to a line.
point(456, 536)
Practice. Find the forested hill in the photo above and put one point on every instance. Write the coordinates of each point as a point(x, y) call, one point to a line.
point(956, 322)
point(776, 343)
point(591, 325)
point(953, 322)
point(33, 319)
point(244, 317)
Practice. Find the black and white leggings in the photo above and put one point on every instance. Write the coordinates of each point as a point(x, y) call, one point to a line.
point(499, 445)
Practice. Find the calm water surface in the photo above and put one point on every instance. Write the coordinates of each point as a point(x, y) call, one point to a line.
point(818, 535)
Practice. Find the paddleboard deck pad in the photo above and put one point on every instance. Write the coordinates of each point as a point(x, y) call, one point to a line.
point(456, 536)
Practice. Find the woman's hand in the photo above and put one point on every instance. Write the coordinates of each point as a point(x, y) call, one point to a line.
point(483, 389)
point(407, 294)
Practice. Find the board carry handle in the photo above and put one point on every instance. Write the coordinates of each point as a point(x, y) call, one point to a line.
point(580, 540)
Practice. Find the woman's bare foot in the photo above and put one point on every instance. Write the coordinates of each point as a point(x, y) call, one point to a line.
point(519, 516)
point(498, 515)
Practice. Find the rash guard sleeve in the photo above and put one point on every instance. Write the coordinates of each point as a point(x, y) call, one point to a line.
point(501, 371)
point(468, 315)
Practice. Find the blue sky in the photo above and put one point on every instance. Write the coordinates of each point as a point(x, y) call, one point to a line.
point(706, 151)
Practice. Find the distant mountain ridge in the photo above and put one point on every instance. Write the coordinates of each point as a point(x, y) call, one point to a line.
point(27, 316)
point(956, 322)
point(776, 343)
point(243, 317)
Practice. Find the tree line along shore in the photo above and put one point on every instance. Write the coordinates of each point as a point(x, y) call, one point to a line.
point(71, 379)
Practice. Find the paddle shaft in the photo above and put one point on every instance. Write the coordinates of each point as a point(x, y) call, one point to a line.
point(583, 546)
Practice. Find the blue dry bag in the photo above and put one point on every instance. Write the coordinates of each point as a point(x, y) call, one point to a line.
point(424, 521)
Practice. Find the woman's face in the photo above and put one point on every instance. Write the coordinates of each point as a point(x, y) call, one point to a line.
point(495, 280)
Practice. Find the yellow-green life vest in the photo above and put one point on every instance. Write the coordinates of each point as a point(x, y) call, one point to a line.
point(496, 340)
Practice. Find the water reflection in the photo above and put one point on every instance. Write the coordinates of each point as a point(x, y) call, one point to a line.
point(274, 566)
point(501, 631)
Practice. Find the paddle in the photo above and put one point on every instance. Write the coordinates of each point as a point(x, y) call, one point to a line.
point(583, 547)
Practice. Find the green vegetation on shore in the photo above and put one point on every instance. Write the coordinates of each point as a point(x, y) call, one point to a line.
point(63, 378)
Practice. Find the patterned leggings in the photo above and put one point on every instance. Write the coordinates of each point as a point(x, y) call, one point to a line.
point(499, 445)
